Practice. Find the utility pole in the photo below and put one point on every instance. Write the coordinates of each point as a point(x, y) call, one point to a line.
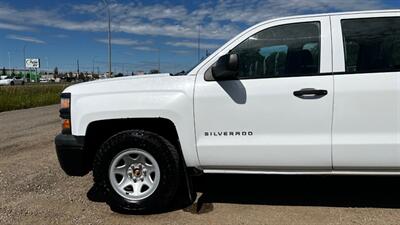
point(9, 61)
point(93, 64)
point(77, 65)
point(159, 64)
point(109, 37)
point(24, 50)
point(47, 63)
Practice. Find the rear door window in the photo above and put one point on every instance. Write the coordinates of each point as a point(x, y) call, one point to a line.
point(372, 44)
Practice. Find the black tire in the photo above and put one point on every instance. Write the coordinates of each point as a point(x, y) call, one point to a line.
point(164, 153)
point(23, 83)
point(12, 83)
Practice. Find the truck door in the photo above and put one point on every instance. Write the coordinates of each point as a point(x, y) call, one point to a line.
point(366, 110)
point(278, 114)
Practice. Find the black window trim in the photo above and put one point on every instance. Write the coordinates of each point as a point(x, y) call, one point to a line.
point(305, 75)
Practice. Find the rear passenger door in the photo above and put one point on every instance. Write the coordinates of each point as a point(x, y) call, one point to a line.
point(365, 131)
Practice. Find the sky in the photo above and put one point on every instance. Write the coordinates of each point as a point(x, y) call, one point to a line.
point(144, 32)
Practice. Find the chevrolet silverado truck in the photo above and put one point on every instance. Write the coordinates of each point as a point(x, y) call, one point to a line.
point(316, 94)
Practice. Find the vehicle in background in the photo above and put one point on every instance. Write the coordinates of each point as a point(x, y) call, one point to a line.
point(43, 80)
point(12, 81)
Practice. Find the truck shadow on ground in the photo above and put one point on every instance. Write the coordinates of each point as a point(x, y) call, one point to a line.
point(325, 191)
point(329, 191)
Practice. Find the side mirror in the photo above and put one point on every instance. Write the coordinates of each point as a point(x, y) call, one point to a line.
point(226, 68)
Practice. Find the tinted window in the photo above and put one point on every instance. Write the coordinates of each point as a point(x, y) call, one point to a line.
point(287, 50)
point(372, 45)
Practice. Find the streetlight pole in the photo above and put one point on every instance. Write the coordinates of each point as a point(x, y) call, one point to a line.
point(109, 37)
point(159, 64)
point(198, 43)
point(93, 64)
point(9, 61)
point(24, 50)
point(47, 63)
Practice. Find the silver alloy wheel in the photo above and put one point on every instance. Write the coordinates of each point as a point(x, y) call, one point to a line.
point(134, 174)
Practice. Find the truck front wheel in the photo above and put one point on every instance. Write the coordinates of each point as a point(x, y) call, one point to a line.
point(138, 170)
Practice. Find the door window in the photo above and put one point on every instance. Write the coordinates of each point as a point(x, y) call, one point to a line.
point(372, 44)
point(281, 51)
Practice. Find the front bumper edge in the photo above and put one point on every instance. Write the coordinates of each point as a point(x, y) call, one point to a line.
point(71, 154)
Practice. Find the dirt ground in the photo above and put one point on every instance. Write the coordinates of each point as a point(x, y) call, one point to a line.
point(34, 190)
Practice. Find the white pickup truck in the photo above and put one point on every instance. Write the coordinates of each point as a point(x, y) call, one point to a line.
point(317, 94)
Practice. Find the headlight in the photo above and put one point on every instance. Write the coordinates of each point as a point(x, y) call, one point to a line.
point(65, 103)
point(65, 112)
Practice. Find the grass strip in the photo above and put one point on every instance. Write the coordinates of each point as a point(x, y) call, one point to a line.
point(29, 96)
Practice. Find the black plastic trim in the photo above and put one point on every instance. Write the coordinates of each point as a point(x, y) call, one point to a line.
point(66, 131)
point(65, 113)
point(193, 171)
point(71, 154)
point(65, 95)
point(310, 93)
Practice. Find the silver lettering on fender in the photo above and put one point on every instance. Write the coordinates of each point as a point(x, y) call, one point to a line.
point(228, 133)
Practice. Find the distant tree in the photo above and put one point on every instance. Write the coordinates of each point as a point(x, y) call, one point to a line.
point(154, 71)
point(56, 70)
point(81, 76)
point(3, 71)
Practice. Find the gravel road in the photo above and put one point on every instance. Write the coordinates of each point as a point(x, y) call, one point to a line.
point(34, 190)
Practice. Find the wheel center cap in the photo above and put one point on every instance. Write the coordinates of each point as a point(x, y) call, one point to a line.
point(136, 171)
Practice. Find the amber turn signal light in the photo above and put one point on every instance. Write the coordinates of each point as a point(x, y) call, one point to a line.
point(66, 124)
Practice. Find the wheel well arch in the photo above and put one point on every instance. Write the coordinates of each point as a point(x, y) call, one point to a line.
point(98, 132)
